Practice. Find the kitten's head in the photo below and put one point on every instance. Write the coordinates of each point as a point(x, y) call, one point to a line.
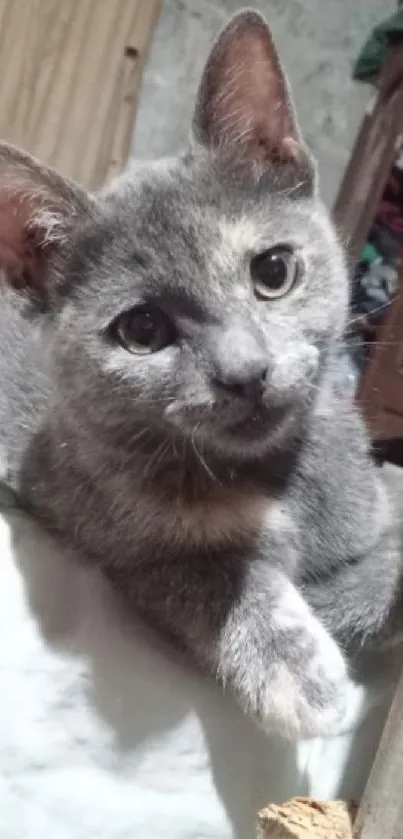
point(195, 298)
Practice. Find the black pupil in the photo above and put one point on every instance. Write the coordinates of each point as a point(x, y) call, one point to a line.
point(143, 328)
point(273, 271)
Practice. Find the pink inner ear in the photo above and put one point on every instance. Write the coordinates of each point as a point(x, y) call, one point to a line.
point(21, 253)
point(36, 204)
point(245, 99)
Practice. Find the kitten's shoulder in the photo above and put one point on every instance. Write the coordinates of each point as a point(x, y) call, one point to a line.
point(337, 416)
point(337, 491)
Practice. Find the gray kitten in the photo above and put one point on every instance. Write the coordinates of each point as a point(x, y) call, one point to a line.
point(167, 406)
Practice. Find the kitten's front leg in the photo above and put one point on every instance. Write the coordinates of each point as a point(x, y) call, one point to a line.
point(252, 629)
point(280, 661)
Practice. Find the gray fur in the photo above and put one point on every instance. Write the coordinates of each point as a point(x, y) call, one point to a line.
point(219, 538)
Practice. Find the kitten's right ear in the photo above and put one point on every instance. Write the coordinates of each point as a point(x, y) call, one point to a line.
point(243, 107)
point(36, 208)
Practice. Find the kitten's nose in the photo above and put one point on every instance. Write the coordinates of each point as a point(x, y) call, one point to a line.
point(247, 382)
point(240, 362)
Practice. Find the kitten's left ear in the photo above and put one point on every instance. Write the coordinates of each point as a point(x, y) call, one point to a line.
point(36, 208)
point(243, 106)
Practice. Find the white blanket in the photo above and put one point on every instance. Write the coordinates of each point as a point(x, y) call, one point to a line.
point(104, 734)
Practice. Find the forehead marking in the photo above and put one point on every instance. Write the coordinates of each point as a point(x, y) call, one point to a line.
point(237, 238)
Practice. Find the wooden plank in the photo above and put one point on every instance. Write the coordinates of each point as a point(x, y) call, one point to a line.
point(372, 157)
point(307, 818)
point(381, 812)
point(76, 71)
point(380, 390)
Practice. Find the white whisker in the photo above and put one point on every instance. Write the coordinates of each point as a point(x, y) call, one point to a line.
point(199, 456)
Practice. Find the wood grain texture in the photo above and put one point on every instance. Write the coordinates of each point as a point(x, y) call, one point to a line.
point(306, 818)
point(381, 812)
point(70, 72)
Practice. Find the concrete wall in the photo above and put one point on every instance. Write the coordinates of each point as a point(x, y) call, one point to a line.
point(318, 41)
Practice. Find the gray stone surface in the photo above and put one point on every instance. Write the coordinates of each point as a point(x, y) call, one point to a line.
point(318, 41)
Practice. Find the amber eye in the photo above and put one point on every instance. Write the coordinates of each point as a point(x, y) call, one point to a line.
point(144, 330)
point(275, 272)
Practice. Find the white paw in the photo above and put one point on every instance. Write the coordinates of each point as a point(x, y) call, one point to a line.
point(308, 691)
point(325, 687)
point(312, 705)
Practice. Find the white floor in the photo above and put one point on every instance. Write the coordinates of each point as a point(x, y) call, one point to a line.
point(104, 735)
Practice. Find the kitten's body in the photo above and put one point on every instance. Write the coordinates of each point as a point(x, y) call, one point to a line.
point(215, 519)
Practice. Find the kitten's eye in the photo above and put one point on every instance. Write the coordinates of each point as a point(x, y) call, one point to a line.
point(144, 330)
point(274, 272)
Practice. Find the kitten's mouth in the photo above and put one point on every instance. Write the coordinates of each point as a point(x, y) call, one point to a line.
point(246, 430)
point(252, 434)
point(261, 423)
